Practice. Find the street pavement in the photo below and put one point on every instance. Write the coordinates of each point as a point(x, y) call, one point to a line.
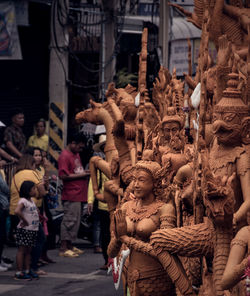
point(68, 276)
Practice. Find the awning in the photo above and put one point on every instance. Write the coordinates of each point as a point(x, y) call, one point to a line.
point(180, 29)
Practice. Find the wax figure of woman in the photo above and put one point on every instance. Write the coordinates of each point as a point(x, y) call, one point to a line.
point(135, 222)
point(239, 260)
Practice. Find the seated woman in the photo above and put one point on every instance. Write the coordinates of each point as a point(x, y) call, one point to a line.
point(135, 222)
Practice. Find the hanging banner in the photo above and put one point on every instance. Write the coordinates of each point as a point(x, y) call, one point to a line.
point(9, 40)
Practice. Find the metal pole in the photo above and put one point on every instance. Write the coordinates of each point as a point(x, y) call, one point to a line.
point(110, 10)
point(103, 54)
point(164, 32)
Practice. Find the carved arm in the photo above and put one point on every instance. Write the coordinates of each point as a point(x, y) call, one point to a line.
point(236, 263)
point(138, 245)
point(243, 171)
point(96, 162)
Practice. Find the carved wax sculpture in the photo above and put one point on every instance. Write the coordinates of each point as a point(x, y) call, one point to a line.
point(147, 120)
point(170, 143)
point(155, 131)
point(225, 19)
point(124, 133)
point(161, 89)
point(100, 114)
point(143, 61)
point(167, 138)
point(142, 96)
point(238, 260)
point(126, 111)
point(135, 222)
point(225, 159)
point(227, 154)
point(237, 268)
point(182, 190)
point(205, 239)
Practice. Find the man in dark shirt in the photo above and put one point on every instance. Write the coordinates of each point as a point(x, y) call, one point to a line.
point(14, 138)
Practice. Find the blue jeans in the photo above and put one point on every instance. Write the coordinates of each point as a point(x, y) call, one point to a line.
point(96, 228)
point(37, 250)
point(3, 217)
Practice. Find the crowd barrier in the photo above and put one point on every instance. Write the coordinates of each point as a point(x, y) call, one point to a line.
point(9, 170)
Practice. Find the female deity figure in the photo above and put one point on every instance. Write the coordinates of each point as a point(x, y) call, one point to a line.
point(238, 263)
point(134, 223)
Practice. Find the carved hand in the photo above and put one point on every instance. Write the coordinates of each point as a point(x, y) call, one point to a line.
point(120, 224)
point(225, 49)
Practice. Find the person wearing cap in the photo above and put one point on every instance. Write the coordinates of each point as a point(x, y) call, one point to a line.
point(40, 139)
point(14, 138)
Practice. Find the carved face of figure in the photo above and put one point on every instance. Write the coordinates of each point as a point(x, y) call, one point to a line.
point(227, 127)
point(172, 136)
point(143, 184)
point(170, 129)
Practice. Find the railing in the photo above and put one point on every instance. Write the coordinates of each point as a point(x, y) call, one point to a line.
point(9, 170)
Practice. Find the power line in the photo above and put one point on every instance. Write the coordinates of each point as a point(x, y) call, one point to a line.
point(60, 13)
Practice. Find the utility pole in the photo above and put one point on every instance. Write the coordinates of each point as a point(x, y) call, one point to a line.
point(108, 60)
point(164, 32)
point(58, 76)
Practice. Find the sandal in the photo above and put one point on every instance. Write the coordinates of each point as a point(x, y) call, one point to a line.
point(41, 272)
point(43, 262)
point(77, 251)
point(68, 253)
point(47, 260)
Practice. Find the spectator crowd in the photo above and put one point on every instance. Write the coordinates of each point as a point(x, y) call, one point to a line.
point(29, 194)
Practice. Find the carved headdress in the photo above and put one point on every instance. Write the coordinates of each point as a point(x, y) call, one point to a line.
point(172, 116)
point(229, 114)
point(231, 100)
point(151, 167)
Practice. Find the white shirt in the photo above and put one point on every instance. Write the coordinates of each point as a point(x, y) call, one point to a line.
point(30, 213)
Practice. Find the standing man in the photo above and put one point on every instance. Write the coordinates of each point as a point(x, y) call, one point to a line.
point(75, 184)
point(14, 138)
point(40, 139)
